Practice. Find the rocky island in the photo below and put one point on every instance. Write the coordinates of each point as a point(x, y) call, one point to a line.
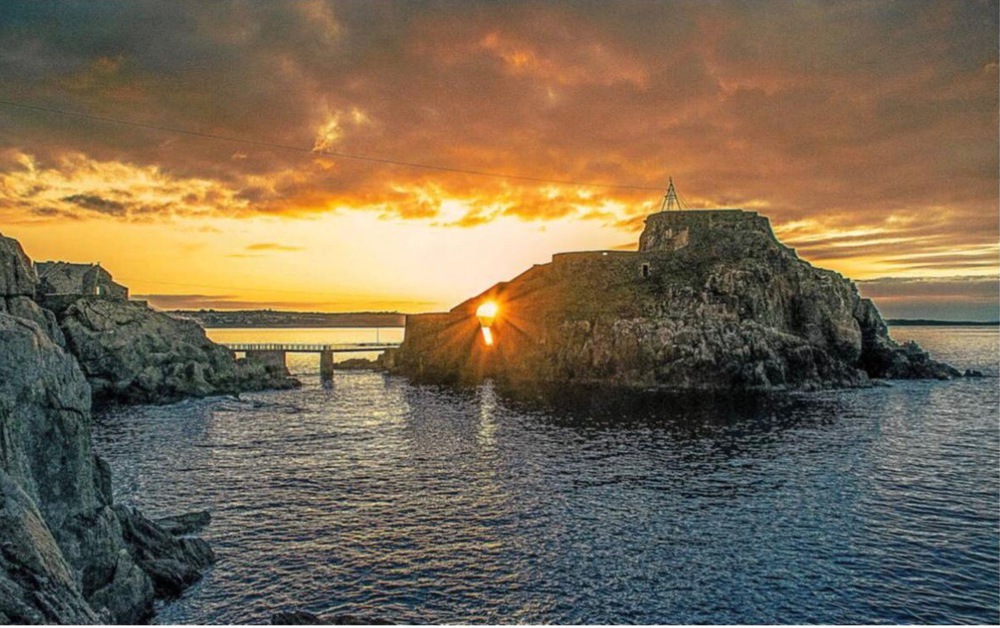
point(68, 553)
point(710, 301)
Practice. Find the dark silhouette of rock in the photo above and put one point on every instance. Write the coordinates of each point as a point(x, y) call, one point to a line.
point(17, 277)
point(972, 373)
point(132, 354)
point(37, 585)
point(711, 301)
point(174, 563)
point(356, 364)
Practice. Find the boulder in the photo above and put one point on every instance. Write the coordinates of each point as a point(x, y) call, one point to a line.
point(25, 307)
point(36, 583)
point(133, 354)
point(17, 276)
point(173, 563)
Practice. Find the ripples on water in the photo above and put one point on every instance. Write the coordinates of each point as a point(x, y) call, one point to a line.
point(425, 505)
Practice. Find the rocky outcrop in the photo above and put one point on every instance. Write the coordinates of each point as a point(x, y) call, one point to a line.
point(37, 585)
point(17, 277)
point(17, 289)
point(67, 553)
point(711, 301)
point(173, 562)
point(132, 354)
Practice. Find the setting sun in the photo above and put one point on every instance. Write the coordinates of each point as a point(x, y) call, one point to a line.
point(486, 313)
point(734, 268)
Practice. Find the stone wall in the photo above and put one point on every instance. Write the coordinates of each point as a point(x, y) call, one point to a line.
point(59, 280)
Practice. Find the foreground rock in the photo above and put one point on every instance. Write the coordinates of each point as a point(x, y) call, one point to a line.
point(68, 555)
point(132, 354)
point(711, 301)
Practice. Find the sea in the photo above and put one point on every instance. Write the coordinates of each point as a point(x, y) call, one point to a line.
point(418, 504)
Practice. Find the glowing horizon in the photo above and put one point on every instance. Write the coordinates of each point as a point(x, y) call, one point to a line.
point(347, 156)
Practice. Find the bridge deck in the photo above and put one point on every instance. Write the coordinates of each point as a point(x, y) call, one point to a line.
point(311, 348)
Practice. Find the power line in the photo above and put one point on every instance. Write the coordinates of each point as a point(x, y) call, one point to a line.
point(299, 149)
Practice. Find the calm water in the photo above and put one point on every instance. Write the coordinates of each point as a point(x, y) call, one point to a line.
point(426, 505)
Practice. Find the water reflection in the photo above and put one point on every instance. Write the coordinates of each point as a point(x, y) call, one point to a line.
point(487, 399)
point(432, 505)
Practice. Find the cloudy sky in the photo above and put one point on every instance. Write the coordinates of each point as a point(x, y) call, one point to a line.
point(391, 155)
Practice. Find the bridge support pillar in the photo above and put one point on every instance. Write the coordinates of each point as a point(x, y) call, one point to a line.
point(326, 366)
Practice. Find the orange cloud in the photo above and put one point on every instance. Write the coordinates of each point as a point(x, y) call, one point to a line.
point(867, 131)
point(272, 246)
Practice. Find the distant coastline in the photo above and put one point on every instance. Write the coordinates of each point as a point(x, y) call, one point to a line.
point(212, 319)
point(231, 319)
point(927, 322)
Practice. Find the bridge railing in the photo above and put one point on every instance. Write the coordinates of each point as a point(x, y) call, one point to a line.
point(310, 348)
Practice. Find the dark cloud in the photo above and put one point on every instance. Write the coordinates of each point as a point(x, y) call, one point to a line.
point(947, 298)
point(97, 204)
point(858, 113)
point(959, 287)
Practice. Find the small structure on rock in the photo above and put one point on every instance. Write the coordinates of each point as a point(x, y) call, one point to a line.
point(710, 301)
point(68, 281)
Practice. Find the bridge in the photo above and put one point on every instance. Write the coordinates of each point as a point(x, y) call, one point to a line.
point(274, 352)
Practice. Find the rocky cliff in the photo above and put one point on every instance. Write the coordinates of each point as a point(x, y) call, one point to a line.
point(68, 554)
point(711, 301)
point(132, 354)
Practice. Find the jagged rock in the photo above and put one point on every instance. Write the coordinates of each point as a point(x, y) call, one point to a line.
point(45, 422)
point(174, 563)
point(25, 307)
point(65, 556)
point(45, 451)
point(711, 301)
point(17, 277)
point(132, 354)
point(36, 583)
point(972, 373)
point(109, 576)
point(356, 364)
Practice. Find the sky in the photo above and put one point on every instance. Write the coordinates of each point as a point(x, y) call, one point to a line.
point(341, 156)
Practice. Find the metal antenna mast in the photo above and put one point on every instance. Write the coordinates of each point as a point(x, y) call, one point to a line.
point(670, 200)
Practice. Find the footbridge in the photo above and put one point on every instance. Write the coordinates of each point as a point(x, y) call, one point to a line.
point(274, 353)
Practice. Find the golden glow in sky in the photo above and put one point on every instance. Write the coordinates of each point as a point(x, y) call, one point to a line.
point(399, 156)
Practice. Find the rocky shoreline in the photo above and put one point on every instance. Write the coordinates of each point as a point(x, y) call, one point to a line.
point(132, 354)
point(710, 302)
point(68, 553)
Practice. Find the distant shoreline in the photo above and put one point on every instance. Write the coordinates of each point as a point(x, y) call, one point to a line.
point(210, 319)
point(263, 319)
point(926, 322)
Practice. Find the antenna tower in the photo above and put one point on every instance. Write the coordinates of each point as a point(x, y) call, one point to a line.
point(670, 200)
